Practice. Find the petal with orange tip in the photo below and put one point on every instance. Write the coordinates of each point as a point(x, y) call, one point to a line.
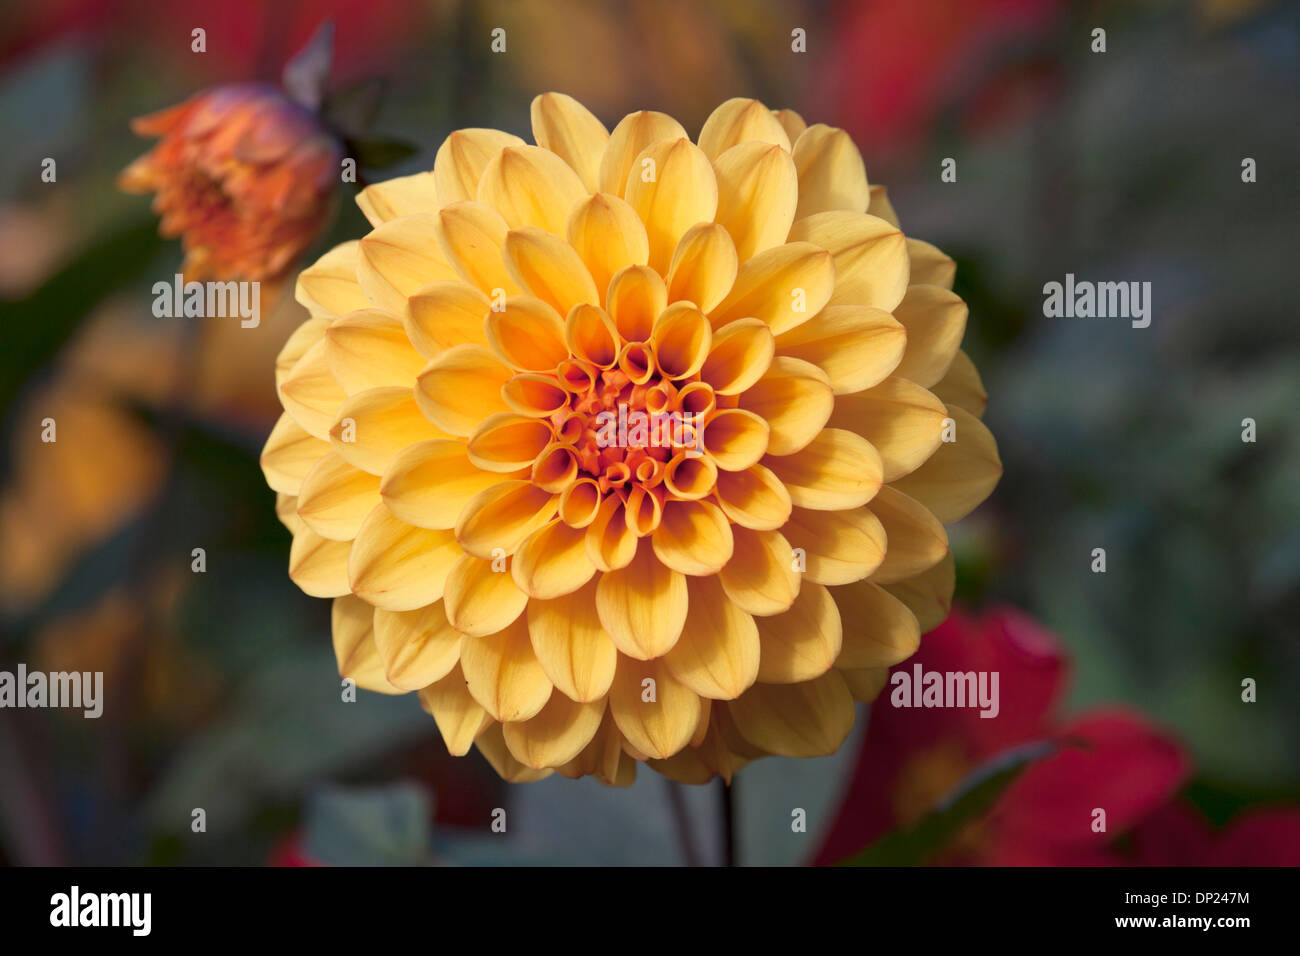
point(855, 346)
point(928, 595)
point(935, 319)
point(682, 337)
point(418, 647)
point(374, 426)
point(802, 643)
point(636, 297)
point(556, 735)
point(831, 172)
point(903, 421)
point(480, 597)
point(735, 438)
point(444, 314)
point(572, 647)
point(289, 454)
point(642, 606)
point(839, 546)
point(503, 516)
point(717, 654)
point(590, 335)
point(929, 265)
point(568, 129)
point(871, 264)
point(508, 442)
point(336, 497)
point(754, 498)
point(795, 398)
point(693, 538)
point(531, 186)
point(881, 206)
point(879, 630)
point(704, 266)
point(460, 718)
point(865, 684)
point(430, 483)
point(503, 674)
point(399, 257)
point(655, 712)
point(783, 287)
point(398, 567)
point(739, 355)
point(835, 471)
point(461, 159)
point(548, 267)
point(792, 123)
point(328, 287)
point(671, 187)
point(318, 565)
point(961, 474)
point(916, 541)
point(741, 120)
point(761, 578)
point(610, 541)
point(470, 235)
point(310, 394)
point(809, 719)
point(962, 386)
point(492, 745)
point(370, 349)
point(461, 387)
point(758, 190)
point(399, 196)
point(608, 235)
point(552, 562)
point(527, 334)
point(352, 623)
point(633, 134)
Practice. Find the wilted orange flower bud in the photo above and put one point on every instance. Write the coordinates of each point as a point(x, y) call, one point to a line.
point(242, 174)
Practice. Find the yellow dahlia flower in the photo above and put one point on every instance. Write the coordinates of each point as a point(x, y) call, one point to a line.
point(569, 603)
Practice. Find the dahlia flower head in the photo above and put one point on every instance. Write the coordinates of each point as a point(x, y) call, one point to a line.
point(243, 175)
point(579, 606)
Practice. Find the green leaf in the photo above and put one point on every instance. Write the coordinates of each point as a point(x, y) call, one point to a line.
point(972, 798)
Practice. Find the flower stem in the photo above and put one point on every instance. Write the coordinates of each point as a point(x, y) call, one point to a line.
point(728, 825)
point(682, 823)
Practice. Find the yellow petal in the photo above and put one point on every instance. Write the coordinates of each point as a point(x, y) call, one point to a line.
point(401, 196)
point(559, 732)
point(534, 395)
point(328, 287)
point(572, 647)
point(881, 206)
point(783, 287)
point(634, 133)
point(831, 172)
point(740, 120)
point(916, 539)
point(310, 394)
point(552, 562)
point(608, 234)
point(717, 654)
point(352, 621)
point(686, 766)
point(296, 346)
point(935, 319)
point(286, 509)
point(508, 442)
point(317, 565)
point(879, 630)
point(855, 346)
point(590, 336)
point(636, 297)
point(418, 647)
point(527, 334)
point(609, 540)
point(461, 387)
point(369, 349)
point(672, 187)
point(740, 354)
point(866, 684)
point(398, 258)
point(399, 567)
point(289, 454)
point(802, 643)
point(481, 597)
point(503, 674)
point(491, 744)
point(463, 156)
point(642, 606)
point(656, 713)
point(960, 475)
point(871, 265)
point(837, 470)
point(693, 538)
point(549, 268)
point(962, 386)
point(429, 484)
point(568, 129)
point(754, 498)
point(795, 398)
point(503, 516)
point(735, 438)
point(792, 123)
point(374, 426)
point(444, 314)
point(758, 190)
point(336, 497)
point(902, 420)
point(839, 546)
point(460, 718)
point(928, 595)
point(690, 478)
point(810, 719)
point(682, 337)
point(930, 266)
point(531, 186)
point(761, 578)
point(470, 235)
point(704, 266)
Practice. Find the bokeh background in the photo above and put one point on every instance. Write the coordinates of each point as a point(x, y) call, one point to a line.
point(221, 687)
